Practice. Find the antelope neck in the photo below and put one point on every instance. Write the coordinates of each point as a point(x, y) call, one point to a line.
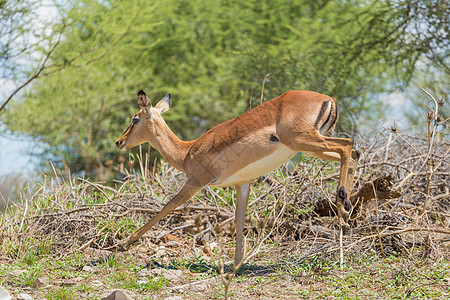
point(172, 149)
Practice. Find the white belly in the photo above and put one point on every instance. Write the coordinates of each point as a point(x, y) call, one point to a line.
point(258, 168)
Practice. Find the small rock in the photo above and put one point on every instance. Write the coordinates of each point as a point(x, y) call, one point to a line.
point(23, 296)
point(89, 269)
point(40, 282)
point(161, 251)
point(200, 287)
point(4, 294)
point(68, 282)
point(96, 283)
point(119, 294)
point(172, 244)
point(173, 275)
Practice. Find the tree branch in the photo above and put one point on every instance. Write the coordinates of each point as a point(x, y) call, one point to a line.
point(36, 75)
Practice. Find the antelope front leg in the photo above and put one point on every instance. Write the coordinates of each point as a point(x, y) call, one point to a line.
point(242, 193)
point(343, 204)
point(183, 195)
point(345, 188)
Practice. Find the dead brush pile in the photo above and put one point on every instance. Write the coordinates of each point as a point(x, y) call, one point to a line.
point(401, 202)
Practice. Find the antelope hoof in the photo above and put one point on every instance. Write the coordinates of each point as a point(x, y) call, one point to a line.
point(119, 247)
point(345, 228)
point(344, 199)
point(343, 211)
point(123, 245)
point(342, 194)
point(122, 248)
point(347, 205)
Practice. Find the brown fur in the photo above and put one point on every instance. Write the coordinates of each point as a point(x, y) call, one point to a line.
point(244, 148)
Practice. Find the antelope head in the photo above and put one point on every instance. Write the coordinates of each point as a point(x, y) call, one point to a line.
point(144, 123)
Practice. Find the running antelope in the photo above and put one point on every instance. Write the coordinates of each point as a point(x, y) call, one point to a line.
point(244, 148)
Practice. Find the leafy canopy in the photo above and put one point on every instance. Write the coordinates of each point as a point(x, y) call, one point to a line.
point(212, 56)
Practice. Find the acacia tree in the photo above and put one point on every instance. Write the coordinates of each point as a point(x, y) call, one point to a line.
point(24, 34)
point(67, 112)
point(30, 42)
point(212, 56)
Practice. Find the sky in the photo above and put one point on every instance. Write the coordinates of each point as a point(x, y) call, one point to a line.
point(15, 157)
point(14, 154)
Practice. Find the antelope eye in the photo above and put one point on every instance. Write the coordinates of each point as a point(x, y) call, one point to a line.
point(134, 120)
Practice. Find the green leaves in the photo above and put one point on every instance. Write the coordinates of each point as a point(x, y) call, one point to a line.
point(212, 57)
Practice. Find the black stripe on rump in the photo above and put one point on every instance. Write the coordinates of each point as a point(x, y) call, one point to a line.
point(321, 113)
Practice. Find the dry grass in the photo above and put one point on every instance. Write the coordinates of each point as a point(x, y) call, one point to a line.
point(398, 245)
point(284, 234)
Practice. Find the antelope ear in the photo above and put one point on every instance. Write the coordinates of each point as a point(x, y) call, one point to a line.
point(164, 104)
point(143, 100)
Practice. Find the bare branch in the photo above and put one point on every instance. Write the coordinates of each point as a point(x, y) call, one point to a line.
point(36, 74)
point(430, 149)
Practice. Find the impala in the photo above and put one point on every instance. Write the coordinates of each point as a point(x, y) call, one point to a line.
point(244, 148)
